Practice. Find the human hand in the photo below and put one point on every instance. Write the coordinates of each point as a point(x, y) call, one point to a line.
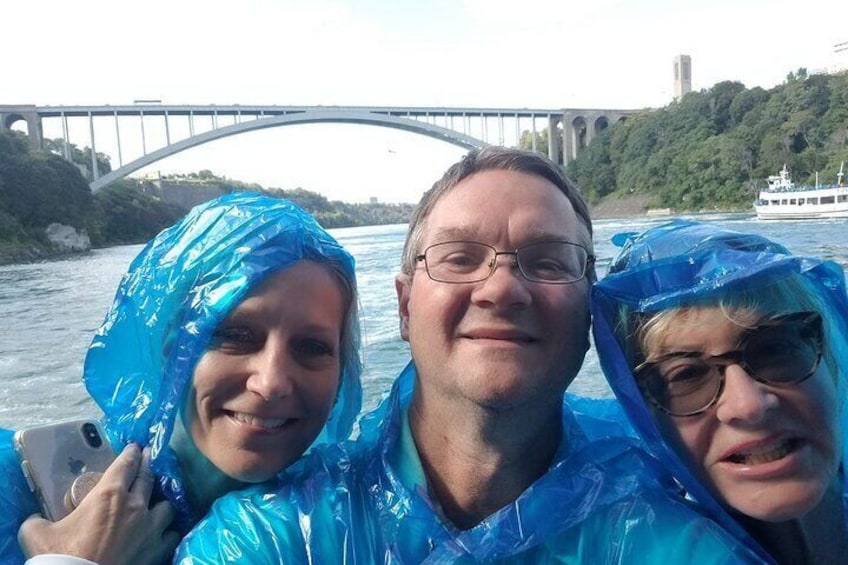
point(112, 525)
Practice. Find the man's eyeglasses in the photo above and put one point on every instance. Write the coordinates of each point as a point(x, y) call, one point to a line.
point(549, 262)
point(783, 350)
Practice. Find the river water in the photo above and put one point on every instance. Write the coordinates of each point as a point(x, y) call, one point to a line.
point(49, 311)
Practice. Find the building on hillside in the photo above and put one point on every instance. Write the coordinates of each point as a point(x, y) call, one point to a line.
point(682, 75)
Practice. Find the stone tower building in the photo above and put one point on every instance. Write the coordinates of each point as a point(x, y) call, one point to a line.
point(682, 75)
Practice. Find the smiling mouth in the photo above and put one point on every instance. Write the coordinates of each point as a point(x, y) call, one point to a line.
point(265, 423)
point(766, 453)
point(496, 335)
point(516, 339)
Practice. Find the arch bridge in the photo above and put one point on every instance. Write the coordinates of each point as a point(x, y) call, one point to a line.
point(566, 131)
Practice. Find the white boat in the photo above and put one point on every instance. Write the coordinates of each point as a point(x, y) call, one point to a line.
point(782, 200)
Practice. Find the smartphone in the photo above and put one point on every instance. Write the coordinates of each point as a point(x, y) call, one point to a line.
point(55, 455)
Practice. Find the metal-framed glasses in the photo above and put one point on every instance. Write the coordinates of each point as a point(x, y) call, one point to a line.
point(783, 350)
point(548, 262)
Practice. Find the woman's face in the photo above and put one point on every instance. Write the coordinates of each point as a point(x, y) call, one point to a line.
point(265, 387)
point(769, 452)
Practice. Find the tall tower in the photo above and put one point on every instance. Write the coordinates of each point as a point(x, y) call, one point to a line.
point(682, 75)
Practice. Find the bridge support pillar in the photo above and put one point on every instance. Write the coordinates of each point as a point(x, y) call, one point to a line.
point(567, 140)
point(9, 115)
point(554, 139)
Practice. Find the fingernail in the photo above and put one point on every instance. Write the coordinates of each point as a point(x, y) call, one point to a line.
point(133, 449)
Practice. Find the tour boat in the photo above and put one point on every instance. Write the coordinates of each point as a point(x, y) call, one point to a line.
point(782, 200)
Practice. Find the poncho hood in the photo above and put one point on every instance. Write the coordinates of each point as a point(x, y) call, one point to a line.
point(140, 364)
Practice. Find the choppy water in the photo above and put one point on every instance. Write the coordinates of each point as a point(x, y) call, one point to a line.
point(49, 311)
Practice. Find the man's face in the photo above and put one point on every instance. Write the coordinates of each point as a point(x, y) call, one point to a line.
point(503, 342)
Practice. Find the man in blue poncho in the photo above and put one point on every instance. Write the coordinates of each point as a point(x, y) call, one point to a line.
point(473, 457)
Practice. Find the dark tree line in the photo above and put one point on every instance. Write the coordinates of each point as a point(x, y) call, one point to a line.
point(38, 188)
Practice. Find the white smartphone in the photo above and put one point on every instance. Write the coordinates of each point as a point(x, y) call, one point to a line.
point(54, 456)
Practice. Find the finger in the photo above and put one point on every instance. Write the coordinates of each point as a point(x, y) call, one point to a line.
point(162, 514)
point(124, 468)
point(143, 483)
point(30, 532)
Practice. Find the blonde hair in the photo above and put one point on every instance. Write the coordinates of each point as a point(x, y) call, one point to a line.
point(641, 333)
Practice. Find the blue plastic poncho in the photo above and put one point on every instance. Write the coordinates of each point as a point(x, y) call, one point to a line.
point(16, 501)
point(598, 503)
point(684, 262)
point(183, 283)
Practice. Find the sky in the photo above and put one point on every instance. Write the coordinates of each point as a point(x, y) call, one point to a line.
point(468, 53)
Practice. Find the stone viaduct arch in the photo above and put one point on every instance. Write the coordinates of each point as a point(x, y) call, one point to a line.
point(9, 115)
point(580, 127)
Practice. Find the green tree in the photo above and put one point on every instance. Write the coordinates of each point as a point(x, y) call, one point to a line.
point(744, 102)
point(80, 157)
point(39, 187)
point(526, 141)
point(124, 213)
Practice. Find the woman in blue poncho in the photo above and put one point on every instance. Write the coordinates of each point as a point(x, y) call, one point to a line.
point(231, 347)
point(725, 352)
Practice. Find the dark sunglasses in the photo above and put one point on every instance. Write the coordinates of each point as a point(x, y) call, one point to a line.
point(783, 350)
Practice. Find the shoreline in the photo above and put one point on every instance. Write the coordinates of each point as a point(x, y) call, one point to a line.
point(15, 253)
point(640, 206)
point(32, 254)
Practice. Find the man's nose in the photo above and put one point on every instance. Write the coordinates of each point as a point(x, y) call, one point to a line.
point(270, 375)
point(744, 399)
point(506, 284)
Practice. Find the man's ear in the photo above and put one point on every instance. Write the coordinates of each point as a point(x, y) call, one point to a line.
point(403, 287)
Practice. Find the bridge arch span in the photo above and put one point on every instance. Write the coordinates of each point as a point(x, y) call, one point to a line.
point(11, 119)
point(342, 116)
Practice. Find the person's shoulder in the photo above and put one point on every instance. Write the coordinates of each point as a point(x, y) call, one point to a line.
point(597, 418)
point(16, 500)
point(262, 523)
point(345, 462)
point(632, 509)
point(248, 523)
point(7, 449)
point(658, 527)
point(15, 488)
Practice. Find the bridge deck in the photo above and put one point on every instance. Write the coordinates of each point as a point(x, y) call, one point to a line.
point(275, 110)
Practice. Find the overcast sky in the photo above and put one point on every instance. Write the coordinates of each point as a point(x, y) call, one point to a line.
point(476, 53)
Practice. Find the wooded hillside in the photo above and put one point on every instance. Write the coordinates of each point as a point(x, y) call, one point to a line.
point(713, 149)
